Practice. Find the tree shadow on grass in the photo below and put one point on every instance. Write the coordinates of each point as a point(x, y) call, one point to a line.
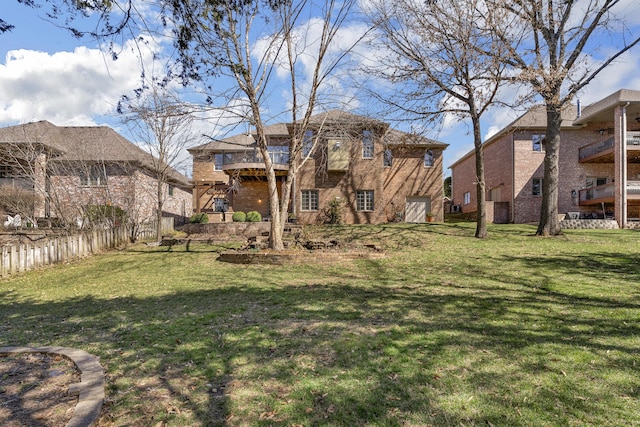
point(334, 349)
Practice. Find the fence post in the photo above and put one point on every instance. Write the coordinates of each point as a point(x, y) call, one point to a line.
point(5, 260)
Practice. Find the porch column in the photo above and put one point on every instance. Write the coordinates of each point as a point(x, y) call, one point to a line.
point(620, 165)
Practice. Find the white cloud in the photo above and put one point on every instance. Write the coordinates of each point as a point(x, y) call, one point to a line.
point(67, 88)
point(492, 130)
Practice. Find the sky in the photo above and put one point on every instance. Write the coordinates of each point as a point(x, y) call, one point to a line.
point(47, 74)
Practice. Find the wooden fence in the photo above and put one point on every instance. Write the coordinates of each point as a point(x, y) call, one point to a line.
point(22, 257)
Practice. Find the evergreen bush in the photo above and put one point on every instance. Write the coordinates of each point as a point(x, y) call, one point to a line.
point(201, 218)
point(239, 216)
point(254, 216)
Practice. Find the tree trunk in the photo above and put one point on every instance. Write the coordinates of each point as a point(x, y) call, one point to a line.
point(481, 221)
point(549, 224)
point(275, 231)
point(159, 210)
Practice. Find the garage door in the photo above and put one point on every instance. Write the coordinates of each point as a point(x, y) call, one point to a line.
point(416, 209)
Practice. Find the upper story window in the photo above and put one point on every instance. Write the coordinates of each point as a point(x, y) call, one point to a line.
point(536, 142)
point(218, 161)
point(467, 198)
point(367, 144)
point(279, 154)
point(307, 143)
point(387, 159)
point(171, 189)
point(428, 159)
point(94, 176)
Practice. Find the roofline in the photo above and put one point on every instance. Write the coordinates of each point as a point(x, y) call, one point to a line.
point(618, 98)
point(510, 128)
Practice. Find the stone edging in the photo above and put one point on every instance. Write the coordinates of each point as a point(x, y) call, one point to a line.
point(90, 389)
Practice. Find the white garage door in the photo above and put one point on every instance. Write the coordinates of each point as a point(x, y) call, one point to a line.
point(416, 209)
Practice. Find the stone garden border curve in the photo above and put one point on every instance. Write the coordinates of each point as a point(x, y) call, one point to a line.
point(90, 389)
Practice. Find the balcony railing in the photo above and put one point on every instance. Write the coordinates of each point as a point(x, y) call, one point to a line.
point(597, 193)
point(607, 191)
point(633, 139)
point(633, 188)
point(595, 148)
point(277, 157)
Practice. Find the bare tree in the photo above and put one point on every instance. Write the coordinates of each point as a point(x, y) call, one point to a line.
point(553, 60)
point(218, 38)
point(22, 176)
point(163, 123)
point(442, 60)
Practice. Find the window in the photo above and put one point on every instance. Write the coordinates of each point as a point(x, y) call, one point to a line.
point(367, 144)
point(218, 161)
point(536, 142)
point(94, 176)
point(309, 200)
point(279, 154)
point(536, 189)
point(467, 198)
point(171, 187)
point(364, 200)
point(6, 171)
point(387, 160)
point(428, 158)
point(307, 143)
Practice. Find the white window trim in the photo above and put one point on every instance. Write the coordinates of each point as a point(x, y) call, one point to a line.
point(310, 202)
point(365, 201)
point(369, 147)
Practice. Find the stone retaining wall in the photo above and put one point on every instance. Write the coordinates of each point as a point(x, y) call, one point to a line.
point(577, 224)
point(229, 228)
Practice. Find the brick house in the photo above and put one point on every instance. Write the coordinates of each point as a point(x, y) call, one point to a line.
point(378, 174)
point(599, 164)
point(70, 168)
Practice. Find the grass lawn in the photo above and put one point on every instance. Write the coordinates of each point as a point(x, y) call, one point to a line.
point(447, 330)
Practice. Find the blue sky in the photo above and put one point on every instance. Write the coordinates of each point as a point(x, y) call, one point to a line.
point(46, 74)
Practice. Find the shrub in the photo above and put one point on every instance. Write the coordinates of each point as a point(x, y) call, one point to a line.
point(17, 200)
point(239, 217)
point(100, 213)
point(254, 216)
point(201, 218)
point(334, 211)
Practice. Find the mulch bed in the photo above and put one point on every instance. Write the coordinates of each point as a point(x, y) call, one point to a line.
point(34, 390)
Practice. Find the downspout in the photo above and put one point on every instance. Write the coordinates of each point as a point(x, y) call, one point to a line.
point(294, 203)
point(513, 178)
point(623, 166)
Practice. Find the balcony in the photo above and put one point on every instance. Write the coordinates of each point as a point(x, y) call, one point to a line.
point(606, 193)
point(251, 163)
point(602, 151)
point(597, 152)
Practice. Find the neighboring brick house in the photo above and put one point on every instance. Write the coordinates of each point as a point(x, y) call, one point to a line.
point(599, 164)
point(70, 168)
point(378, 174)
